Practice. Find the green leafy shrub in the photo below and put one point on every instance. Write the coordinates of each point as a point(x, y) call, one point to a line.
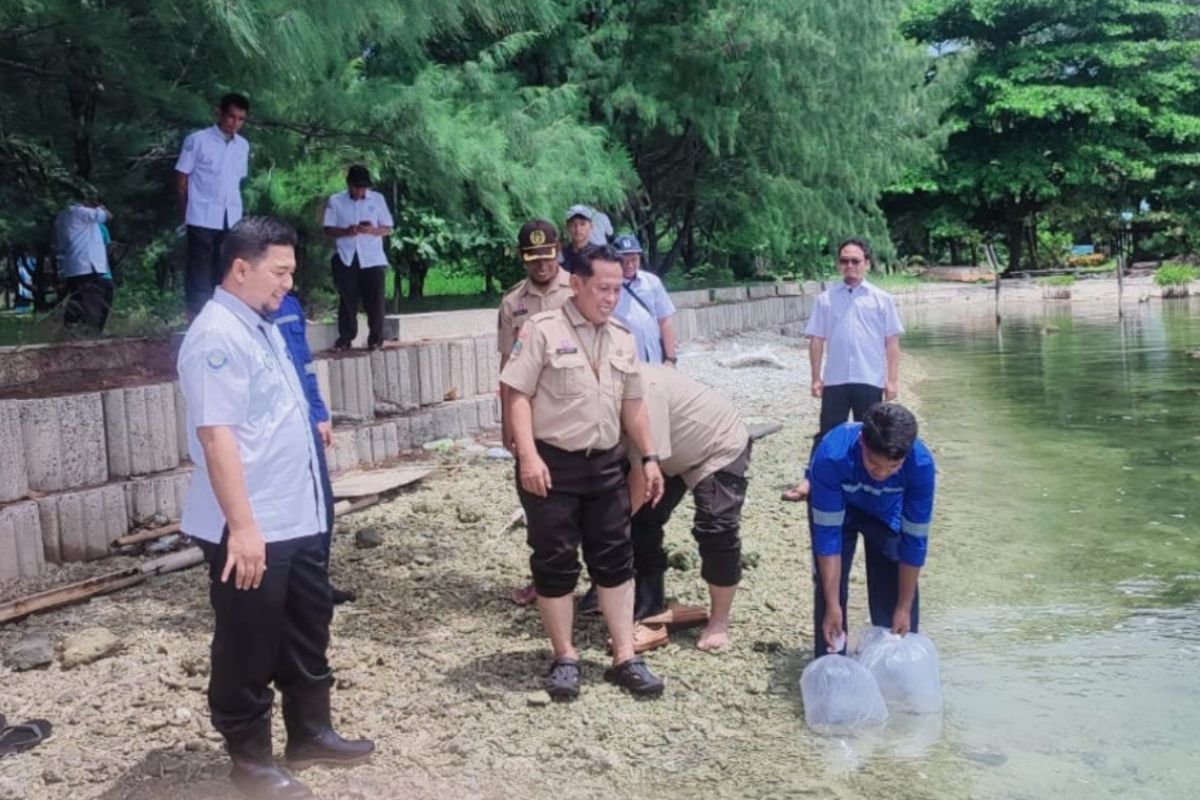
point(1175, 275)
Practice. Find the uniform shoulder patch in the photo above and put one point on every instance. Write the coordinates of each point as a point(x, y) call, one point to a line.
point(216, 360)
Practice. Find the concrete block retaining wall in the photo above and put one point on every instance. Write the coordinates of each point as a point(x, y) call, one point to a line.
point(105, 462)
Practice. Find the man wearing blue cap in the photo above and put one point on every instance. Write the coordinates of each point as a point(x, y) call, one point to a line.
point(645, 307)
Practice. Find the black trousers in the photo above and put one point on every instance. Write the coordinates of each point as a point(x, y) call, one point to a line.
point(89, 299)
point(883, 575)
point(277, 633)
point(204, 270)
point(715, 526)
point(588, 508)
point(356, 285)
point(839, 402)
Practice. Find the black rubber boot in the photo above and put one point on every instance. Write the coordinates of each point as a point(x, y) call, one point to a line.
point(311, 738)
point(650, 595)
point(590, 602)
point(255, 773)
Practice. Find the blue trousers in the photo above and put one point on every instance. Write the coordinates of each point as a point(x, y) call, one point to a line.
point(883, 576)
point(327, 490)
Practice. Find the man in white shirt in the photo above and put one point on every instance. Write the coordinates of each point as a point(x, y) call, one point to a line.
point(602, 228)
point(255, 506)
point(208, 183)
point(83, 264)
point(858, 325)
point(358, 219)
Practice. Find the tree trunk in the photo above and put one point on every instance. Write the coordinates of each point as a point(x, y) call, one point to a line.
point(1016, 234)
point(81, 94)
point(416, 281)
point(954, 252)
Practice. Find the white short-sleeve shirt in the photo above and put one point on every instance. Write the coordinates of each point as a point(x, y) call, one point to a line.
point(235, 371)
point(215, 167)
point(81, 248)
point(854, 324)
point(343, 211)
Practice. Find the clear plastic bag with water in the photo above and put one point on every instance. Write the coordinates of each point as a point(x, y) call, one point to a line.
point(905, 668)
point(840, 696)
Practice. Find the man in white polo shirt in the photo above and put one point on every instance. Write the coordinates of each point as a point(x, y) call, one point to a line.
point(358, 219)
point(855, 324)
point(256, 508)
point(83, 263)
point(208, 182)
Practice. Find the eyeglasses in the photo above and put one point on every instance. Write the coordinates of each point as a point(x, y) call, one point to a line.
point(850, 262)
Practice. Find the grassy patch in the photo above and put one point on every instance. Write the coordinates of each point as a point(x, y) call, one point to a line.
point(1175, 275)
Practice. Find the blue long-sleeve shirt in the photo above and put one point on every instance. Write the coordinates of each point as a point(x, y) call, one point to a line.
point(290, 321)
point(904, 502)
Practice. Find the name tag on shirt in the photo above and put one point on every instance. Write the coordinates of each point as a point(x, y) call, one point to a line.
point(520, 311)
point(566, 349)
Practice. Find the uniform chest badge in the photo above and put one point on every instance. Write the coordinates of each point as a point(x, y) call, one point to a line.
point(566, 348)
point(520, 311)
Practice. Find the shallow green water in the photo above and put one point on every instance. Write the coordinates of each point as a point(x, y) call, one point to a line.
point(1063, 584)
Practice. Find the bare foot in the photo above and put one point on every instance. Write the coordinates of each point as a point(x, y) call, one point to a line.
point(798, 493)
point(525, 595)
point(715, 637)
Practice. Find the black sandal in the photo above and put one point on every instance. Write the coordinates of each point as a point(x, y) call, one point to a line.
point(26, 736)
point(635, 676)
point(562, 681)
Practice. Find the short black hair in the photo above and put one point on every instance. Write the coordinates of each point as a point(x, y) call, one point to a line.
point(236, 100)
point(861, 244)
point(889, 429)
point(594, 252)
point(251, 236)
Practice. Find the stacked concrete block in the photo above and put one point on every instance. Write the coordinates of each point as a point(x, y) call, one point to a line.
point(812, 287)
point(729, 294)
point(462, 378)
point(14, 483)
point(684, 322)
point(64, 442)
point(396, 378)
point(421, 428)
point(343, 455)
point(79, 526)
point(320, 368)
point(691, 299)
point(487, 364)
point(351, 387)
point(181, 436)
point(22, 554)
point(448, 420)
point(788, 289)
point(432, 384)
point(161, 495)
point(487, 410)
point(141, 428)
point(761, 290)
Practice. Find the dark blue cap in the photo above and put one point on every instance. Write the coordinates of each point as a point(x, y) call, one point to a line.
point(627, 243)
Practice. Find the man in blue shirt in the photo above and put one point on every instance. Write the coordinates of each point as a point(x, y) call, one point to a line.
point(644, 307)
point(291, 323)
point(876, 478)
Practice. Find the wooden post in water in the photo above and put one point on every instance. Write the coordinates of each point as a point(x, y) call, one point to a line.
point(990, 251)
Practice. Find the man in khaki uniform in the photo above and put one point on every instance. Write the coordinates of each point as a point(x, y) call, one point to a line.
point(546, 287)
point(573, 386)
point(704, 447)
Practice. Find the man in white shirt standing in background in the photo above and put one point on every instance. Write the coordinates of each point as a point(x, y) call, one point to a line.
point(358, 219)
point(208, 183)
point(83, 263)
point(855, 324)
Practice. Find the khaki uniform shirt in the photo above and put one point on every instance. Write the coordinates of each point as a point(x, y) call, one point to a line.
point(523, 301)
point(577, 374)
point(696, 431)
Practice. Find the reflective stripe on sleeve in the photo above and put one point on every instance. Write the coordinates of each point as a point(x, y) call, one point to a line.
point(829, 519)
point(918, 529)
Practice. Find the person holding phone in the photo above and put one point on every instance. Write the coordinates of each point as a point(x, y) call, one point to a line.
point(358, 220)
